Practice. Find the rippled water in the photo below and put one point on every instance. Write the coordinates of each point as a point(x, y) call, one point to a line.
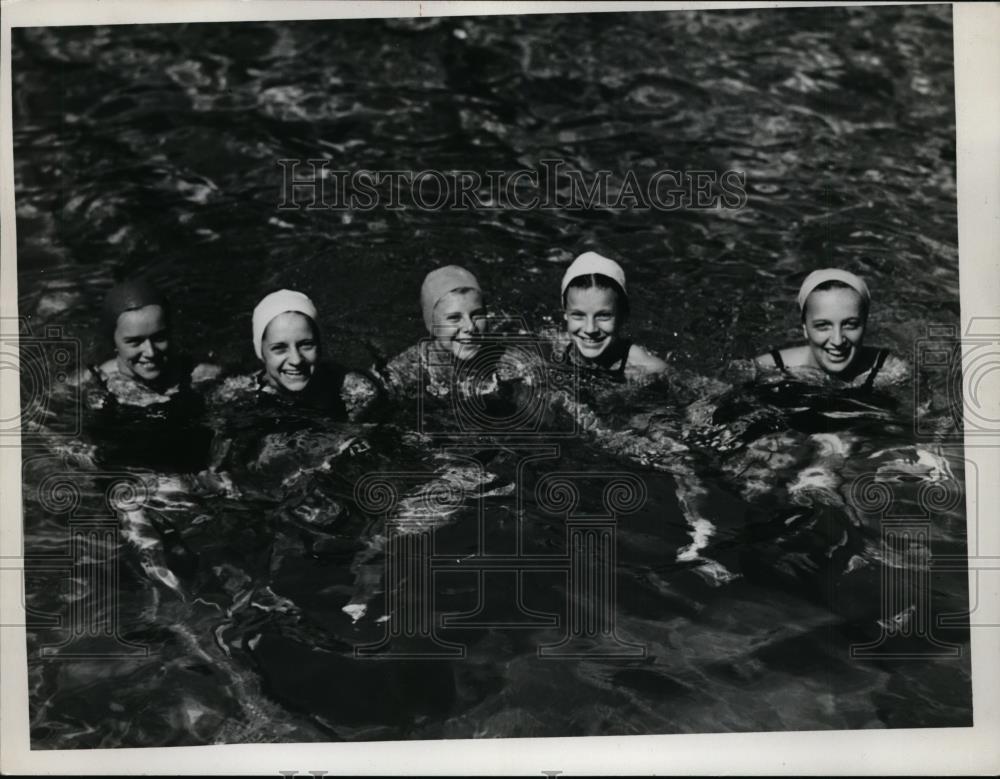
point(155, 148)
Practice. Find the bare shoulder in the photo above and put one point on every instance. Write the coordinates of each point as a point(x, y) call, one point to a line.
point(764, 361)
point(108, 368)
point(895, 370)
point(645, 361)
point(80, 378)
point(792, 357)
point(84, 378)
point(205, 371)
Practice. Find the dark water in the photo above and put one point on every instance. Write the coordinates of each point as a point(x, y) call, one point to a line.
point(155, 149)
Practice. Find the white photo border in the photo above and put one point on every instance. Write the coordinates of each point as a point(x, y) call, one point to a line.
point(974, 750)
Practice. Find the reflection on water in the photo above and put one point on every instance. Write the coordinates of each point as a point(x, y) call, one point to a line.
point(155, 149)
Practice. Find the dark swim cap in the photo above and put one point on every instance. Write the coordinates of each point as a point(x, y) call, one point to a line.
point(129, 296)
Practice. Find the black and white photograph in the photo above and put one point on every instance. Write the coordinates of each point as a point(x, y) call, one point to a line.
point(463, 376)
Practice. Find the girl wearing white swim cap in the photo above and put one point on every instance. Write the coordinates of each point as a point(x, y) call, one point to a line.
point(834, 306)
point(287, 341)
point(596, 308)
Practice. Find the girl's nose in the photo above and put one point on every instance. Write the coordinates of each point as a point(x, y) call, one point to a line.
point(147, 349)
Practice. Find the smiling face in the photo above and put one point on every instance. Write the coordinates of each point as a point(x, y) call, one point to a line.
point(592, 319)
point(142, 339)
point(834, 324)
point(290, 350)
point(459, 320)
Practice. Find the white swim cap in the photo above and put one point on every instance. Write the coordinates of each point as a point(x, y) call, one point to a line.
point(272, 305)
point(818, 277)
point(592, 262)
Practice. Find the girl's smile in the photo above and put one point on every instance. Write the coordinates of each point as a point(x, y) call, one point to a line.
point(459, 320)
point(290, 350)
point(834, 326)
point(143, 343)
point(591, 319)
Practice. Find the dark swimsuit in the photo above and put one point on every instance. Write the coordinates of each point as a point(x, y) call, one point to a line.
point(616, 369)
point(880, 359)
point(322, 394)
point(165, 435)
point(184, 401)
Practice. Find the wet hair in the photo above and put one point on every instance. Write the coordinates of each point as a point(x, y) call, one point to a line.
point(834, 284)
point(600, 281)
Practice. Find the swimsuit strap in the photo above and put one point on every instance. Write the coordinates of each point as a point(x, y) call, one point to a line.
point(624, 349)
point(880, 359)
point(624, 346)
point(186, 367)
point(778, 362)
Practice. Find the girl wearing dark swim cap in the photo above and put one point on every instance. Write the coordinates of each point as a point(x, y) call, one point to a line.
point(145, 369)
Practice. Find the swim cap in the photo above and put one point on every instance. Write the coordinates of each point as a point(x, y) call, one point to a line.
point(279, 302)
point(439, 283)
point(818, 277)
point(592, 262)
point(129, 296)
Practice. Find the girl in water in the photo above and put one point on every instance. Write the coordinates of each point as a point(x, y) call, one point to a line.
point(287, 341)
point(785, 437)
point(457, 359)
point(147, 399)
point(596, 309)
point(145, 370)
point(834, 307)
point(282, 409)
point(454, 314)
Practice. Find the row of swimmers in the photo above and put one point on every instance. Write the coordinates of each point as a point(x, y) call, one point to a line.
point(834, 306)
